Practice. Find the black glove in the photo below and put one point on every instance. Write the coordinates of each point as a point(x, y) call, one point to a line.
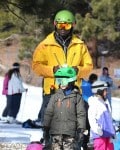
point(55, 68)
point(108, 84)
point(46, 134)
point(75, 68)
point(26, 90)
point(80, 137)
point(52, 89)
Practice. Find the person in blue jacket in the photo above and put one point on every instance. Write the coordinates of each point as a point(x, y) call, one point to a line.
point(86, 86)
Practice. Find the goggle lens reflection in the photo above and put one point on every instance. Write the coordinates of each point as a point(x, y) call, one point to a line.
point(66, 26)
point(62, 81)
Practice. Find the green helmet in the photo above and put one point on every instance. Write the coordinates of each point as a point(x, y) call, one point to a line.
point(65, 75)
point(64, 16)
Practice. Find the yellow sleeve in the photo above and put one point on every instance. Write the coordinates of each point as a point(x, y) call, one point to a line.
point(40, 62)
point(87, 63)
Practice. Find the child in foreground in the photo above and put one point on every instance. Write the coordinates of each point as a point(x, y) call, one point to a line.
point(99, 115)
point(65, 114)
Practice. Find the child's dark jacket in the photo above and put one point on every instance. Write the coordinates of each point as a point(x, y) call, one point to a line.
point(65, 114)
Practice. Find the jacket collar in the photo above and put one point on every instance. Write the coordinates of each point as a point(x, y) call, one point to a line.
point(50, 40)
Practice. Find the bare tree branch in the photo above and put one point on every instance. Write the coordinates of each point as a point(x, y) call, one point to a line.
point(14, 4)
point(16, 14)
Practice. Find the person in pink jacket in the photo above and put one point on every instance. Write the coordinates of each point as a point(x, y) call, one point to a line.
point(13, 88)
point(5, 92)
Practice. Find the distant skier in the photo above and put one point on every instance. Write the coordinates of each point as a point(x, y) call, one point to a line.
point(15, 90)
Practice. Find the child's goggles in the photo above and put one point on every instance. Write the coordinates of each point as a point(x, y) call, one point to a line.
point(62, 81)
point(66, 26)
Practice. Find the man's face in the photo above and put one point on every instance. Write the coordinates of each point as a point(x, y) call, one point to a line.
point(63, 32)
point(63, 28)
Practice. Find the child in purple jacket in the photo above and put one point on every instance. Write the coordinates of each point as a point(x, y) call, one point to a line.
point(99, 115)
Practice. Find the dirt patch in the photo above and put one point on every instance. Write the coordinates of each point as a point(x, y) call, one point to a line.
point(9, 55)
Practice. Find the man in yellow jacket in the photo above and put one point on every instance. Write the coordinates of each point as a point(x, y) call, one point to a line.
point(60, 48)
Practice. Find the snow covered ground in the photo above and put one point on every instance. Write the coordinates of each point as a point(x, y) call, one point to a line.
point(30, 106)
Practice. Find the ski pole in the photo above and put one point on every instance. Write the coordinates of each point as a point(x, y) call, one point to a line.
point(24, 102)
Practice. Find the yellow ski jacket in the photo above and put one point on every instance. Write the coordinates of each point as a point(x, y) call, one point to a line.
point(49, 54)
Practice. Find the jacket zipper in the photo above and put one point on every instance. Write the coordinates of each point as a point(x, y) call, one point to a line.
point(66, 59)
